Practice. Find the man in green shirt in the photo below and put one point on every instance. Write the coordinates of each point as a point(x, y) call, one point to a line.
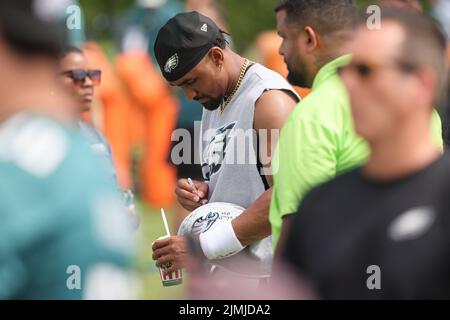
point(318, 141)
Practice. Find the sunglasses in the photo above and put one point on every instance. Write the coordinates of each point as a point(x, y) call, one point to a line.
point(366, 70)
point(79, 75)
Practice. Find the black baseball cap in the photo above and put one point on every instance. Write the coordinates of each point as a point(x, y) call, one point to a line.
point(183, 42)
point(37, 25)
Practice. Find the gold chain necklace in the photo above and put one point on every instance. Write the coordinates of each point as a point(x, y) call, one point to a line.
point(241, 76)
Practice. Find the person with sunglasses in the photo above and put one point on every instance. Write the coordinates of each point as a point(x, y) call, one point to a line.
point(81, 79)
point(380, 231)
point(415, 5)
point(63, 230)
point(84, 81)
point(318, 141)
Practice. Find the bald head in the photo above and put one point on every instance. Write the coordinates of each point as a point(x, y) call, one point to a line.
point(421, 42)
point(413, 5)
point(396, 75)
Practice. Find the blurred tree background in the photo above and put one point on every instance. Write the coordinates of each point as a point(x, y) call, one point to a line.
point(246, 19)
point(100, 15)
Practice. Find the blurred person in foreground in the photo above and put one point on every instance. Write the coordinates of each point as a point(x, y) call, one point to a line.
point(318, 141)
point(441, 12)
point(242, 101)
point(81, 79)
point(414, 5)
point(63, 233)
point(381, 230)
point(201, 286)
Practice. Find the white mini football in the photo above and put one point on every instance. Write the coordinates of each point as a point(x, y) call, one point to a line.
point(254, 261)
point(204, 217)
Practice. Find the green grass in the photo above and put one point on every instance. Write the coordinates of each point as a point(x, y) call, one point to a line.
point(150, 283)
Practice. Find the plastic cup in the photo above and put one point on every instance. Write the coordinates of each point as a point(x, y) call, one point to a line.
point(173, 278)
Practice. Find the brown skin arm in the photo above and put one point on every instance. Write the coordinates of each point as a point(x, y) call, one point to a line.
point(285, 226)
point(172, 249)
point(253, 224)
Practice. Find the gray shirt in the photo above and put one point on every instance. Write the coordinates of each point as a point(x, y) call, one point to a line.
point(229, 150)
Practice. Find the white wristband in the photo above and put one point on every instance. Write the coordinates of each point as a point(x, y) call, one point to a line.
point(220, 242)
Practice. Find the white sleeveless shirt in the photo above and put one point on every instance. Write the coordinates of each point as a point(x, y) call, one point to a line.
point(228, 151)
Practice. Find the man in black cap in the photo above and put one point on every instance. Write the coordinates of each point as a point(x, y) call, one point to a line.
point(245, 105)
point(62, 228)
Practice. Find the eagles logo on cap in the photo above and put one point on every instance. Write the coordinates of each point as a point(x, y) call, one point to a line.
point(171, 63)
point(189, 34)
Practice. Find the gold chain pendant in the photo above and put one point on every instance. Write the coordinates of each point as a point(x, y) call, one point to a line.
point(241, 77)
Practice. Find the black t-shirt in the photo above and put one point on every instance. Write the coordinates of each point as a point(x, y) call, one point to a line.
point(346, 226)
point(446, 123)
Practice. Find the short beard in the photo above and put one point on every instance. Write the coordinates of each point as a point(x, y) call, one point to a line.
point(298, 72)
point(213, 105)
point(298, 78)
